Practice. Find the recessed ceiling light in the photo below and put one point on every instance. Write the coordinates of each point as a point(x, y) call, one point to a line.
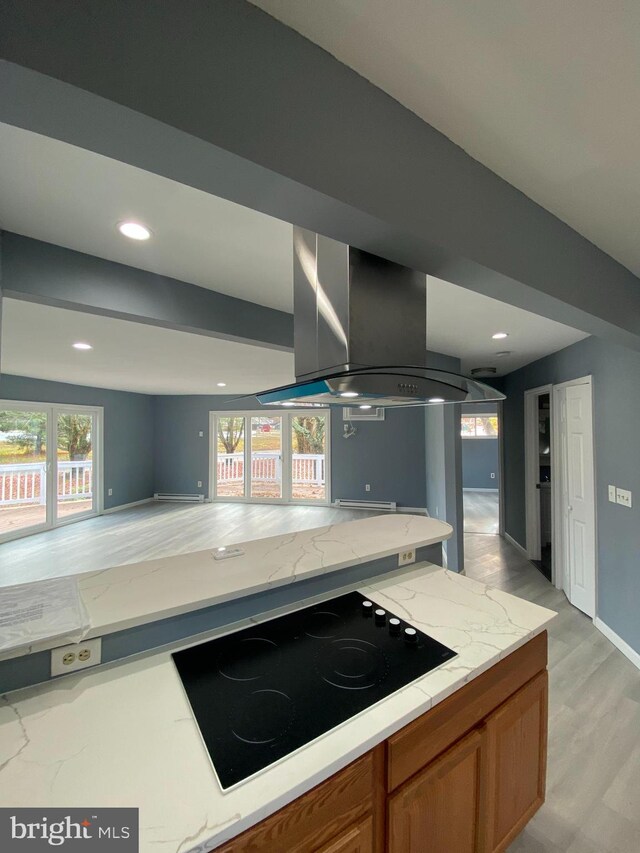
point(134, 230)
point(80, 345)
point(349, 394)
point(503, 353)
point(436, 399)
point(221, 384)
point(499, 335)
point(364, 407)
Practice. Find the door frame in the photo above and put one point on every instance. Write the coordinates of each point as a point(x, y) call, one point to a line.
point(559, 554)
point(51, 410)
point(286, 416)
point(531, 473)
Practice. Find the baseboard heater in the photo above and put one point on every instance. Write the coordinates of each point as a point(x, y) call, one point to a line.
point(389, 506)
point(170, 496)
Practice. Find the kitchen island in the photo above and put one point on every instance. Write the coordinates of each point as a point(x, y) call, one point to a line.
point(124, 735)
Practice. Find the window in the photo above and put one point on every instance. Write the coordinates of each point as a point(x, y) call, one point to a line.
point(276, 457)
point(479, 426)
point(50, 466)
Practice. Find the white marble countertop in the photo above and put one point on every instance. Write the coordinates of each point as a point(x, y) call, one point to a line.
point(135, 594)
point(124, 735)
point(130, 595)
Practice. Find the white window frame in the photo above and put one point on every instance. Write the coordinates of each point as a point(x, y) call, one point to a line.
point(287, 485)
point(52, 410)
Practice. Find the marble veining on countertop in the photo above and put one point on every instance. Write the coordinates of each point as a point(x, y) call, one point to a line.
point(129, 595)
point(124, 735)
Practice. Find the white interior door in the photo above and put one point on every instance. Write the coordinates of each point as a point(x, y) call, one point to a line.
point(578, 507)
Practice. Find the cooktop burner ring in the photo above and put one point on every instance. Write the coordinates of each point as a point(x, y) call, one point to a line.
point(248, 659)
point(351, 664)
point(323, 624)
point(262, 716)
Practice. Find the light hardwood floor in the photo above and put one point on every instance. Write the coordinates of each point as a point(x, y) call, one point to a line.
point(153, 530)
point(481, 511)
point(593, 777)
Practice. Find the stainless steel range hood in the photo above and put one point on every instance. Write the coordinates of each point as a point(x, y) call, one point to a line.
point(360, 334)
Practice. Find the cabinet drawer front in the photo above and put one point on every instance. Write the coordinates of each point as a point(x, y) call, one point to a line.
point(439, 809)
point(316, 817)
point(420, 742)
point(357, 839)
point(516, 737)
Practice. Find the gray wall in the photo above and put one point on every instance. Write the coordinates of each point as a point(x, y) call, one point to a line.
point(388, 455)
point(128, 431)
point(616, 400)
point(479, 461)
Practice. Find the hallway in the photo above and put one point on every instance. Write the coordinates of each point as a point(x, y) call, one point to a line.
point(593, 774)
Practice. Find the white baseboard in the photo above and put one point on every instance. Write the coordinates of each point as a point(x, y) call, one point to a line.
point(126, 506)
point(418, 510)
point(516, 545)
point(618, 642)
point(472, 489)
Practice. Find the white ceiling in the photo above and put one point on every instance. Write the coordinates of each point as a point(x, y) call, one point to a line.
point(544, 93)
point(461, 322)
point(37, 341)
point(74, 198)
point(65, 195)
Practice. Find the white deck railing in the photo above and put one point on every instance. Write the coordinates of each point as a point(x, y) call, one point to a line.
point(266, 466)
point(27, 483)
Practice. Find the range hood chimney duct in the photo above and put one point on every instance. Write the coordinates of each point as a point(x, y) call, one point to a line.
point(360, 333)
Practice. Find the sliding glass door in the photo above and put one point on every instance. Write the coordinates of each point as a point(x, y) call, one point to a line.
point(270, 457)
point(23, 469)
point(75, 495)
point(49, 466)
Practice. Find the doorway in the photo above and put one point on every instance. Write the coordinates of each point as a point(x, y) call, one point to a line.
point(539, 475)
point(271, 457)
point(50, 466)
point(480, 438)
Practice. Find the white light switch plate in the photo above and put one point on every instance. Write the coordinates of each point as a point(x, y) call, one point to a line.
point(624, 497)
point(76, 656)
point(612, 494)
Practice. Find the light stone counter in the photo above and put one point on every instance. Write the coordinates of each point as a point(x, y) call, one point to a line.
point(127, 596)
point(124, 735)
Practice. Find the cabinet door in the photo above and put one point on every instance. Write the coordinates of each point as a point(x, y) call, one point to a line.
point(357, 839)
point(516, 750)
point(439, 809)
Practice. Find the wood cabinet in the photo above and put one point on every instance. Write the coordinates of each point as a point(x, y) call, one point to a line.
point(440, 808)
point(516, 762)
point(465, 777)
point(356, 839)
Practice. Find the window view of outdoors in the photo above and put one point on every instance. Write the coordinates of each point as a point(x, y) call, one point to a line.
point(23, 467)
point(479, 426)
point(265, 477)
point(308, 457)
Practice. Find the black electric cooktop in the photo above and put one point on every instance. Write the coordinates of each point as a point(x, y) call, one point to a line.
point(259, 694)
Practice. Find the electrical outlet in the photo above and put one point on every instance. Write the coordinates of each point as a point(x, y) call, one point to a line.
point(109, 492)
point(201, 434)
point(367, 487)
point(199, 484)
point(612, 494)
point(76, 656)
point(405, 558)
point(493, 476)
point(623, 497)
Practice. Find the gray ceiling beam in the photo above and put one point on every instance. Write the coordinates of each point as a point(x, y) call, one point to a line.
point(224, 98)
point(51, 275)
